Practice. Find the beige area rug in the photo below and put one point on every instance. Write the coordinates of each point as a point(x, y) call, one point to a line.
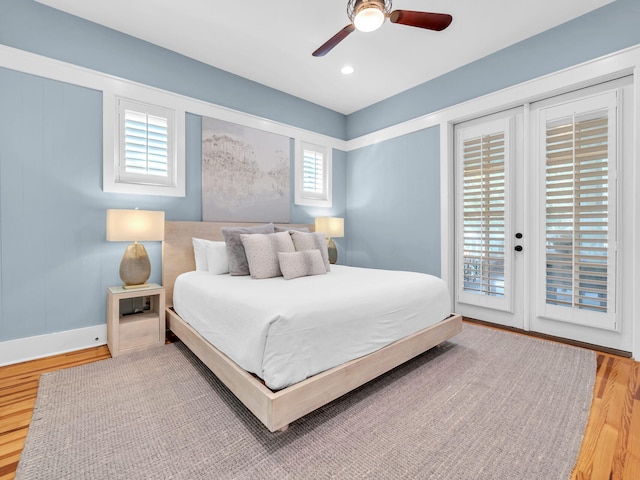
point(487, 404)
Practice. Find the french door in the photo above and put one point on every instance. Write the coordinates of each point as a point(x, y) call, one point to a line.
point(489, 283)
point(538, 228)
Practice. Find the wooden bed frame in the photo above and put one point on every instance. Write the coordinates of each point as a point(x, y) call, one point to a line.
point(277, 409)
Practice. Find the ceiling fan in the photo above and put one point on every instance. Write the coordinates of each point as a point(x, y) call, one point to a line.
point(369, 15)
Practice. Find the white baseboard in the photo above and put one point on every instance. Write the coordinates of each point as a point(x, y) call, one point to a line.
point(31, 348)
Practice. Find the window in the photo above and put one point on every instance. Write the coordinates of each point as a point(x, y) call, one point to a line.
point(145, 157)
point(312, 175)
point(145, 144)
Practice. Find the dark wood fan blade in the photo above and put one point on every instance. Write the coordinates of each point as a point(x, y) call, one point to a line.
point(333, 41)
point(431, 21)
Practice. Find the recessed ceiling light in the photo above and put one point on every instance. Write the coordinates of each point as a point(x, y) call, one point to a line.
point(347, 70)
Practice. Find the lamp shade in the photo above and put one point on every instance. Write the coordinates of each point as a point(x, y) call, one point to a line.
point(331, 226)
point(135, 226)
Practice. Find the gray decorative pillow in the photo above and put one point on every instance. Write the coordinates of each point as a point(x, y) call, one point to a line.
point(262, 253)
point(301, 264)
point(290, 229)
point(310, 241)
point(235, 249)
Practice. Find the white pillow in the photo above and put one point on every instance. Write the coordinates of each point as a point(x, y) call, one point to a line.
point(217, 260)
point(200, 253)
point(262, 252)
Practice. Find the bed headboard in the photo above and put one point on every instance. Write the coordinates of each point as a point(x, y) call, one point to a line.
point(177, 248)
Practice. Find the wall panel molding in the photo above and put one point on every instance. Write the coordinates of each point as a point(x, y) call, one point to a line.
point(603, 68)
point(34, 64)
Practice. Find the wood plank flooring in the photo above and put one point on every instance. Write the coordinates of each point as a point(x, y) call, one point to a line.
point(610, 448)
point(18, 389)
point(611, 445)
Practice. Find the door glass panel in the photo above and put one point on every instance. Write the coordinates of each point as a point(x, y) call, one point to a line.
point(483, 215)
point(579, 238)
point(577, 213)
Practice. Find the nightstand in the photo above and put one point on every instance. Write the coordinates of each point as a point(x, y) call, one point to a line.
point(126, 333)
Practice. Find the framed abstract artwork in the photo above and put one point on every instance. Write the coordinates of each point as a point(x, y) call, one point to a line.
point(245, 174)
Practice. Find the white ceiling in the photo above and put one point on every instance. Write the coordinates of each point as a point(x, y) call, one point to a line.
point(271, 42)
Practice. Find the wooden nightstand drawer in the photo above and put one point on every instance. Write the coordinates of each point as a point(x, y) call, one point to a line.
point(139, 330)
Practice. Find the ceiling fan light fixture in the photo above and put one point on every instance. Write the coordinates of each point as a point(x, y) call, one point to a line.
point(368, 15)
point(369, 18)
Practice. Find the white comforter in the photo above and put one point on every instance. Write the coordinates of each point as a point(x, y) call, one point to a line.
point(287, 330)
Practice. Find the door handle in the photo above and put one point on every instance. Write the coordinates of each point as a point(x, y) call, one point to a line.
point(518, 248)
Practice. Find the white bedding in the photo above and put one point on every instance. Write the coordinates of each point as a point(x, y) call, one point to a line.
point(287, 330)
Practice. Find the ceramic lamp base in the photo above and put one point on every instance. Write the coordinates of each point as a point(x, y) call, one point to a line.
point(135, 267)
point(333, 251)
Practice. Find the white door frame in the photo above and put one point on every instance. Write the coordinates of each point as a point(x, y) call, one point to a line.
point(625, 62)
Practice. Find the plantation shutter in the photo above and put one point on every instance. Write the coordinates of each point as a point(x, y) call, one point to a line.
point(313, 182)
point(484, 255)
point(146, 143)
point(484, 214)
point(313, 167)
point(579, 213)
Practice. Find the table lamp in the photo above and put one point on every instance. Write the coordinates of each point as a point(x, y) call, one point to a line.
point(135, 226)
point(331, 227)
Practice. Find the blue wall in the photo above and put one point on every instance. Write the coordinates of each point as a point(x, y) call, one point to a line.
point(393, 216)
point(54, 261)
point(49, 141)
point(393, 194)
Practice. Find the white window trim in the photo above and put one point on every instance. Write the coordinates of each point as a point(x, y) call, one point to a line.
point(315, 200)
point(149, 100)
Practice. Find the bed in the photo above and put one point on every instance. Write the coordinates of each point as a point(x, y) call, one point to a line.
point(298, 386)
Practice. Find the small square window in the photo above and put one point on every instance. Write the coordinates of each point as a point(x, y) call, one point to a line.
point(312, 175)
point(145, 158)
